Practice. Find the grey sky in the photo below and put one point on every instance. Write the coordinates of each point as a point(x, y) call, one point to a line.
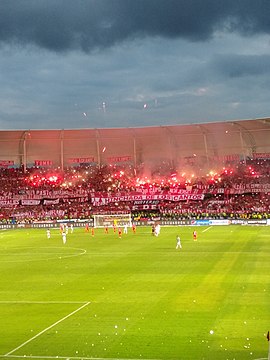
point(124, 63)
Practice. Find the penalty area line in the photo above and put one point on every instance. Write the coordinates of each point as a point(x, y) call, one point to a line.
point(210, 227)
point(48, 328)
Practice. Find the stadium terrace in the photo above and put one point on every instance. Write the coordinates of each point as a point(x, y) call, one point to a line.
point(217, 170)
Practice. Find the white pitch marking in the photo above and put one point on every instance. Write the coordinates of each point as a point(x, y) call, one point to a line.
point(48, 328)
point(50, 257)
point(207, 229)
point(69, 357)
point(40, 302)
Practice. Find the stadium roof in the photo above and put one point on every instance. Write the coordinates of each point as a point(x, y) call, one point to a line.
point(206, 142)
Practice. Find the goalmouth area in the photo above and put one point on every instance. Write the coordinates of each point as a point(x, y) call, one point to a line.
point(135, 297)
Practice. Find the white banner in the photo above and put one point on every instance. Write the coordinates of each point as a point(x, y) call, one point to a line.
point(106, 200)
point(30, 202)
point(51, 201)
point(9, 202)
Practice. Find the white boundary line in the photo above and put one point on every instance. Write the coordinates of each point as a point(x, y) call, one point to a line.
point(40, 302)
point(75, 357)
point(71, 357)
point(207, 229)
point(48, 328)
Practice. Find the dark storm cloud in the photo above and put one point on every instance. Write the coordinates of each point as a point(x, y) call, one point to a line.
point(234, 66)
point(61, 25)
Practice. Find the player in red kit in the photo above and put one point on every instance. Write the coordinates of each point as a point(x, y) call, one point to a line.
point(119, 233)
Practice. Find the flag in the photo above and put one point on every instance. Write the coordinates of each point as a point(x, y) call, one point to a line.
point(268, 336)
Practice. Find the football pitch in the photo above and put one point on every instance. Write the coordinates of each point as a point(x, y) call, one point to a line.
point(135, 297)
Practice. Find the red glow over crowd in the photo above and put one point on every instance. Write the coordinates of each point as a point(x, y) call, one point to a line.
point(235, 191)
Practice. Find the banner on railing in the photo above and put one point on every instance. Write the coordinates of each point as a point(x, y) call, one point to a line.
point(43, 162)
point(119, 159)
point(261, 155)
point(6, 163)
point(81, 160)
point(104, 200)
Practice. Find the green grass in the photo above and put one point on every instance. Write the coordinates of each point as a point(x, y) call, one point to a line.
point(136, 297)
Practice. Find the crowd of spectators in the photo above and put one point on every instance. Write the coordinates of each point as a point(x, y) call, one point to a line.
point(241, 191)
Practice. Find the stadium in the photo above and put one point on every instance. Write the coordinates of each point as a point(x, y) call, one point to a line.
point(218, 168)
point(86, 274)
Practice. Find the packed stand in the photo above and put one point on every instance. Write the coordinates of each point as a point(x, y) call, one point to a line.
point(241, 191)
